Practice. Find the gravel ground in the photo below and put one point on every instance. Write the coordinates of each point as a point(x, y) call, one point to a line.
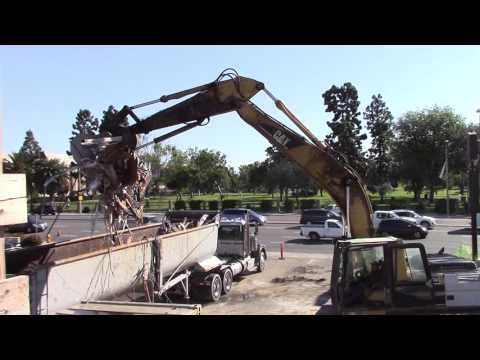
point(297, 285)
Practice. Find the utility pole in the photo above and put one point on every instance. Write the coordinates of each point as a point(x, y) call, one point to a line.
point(446, 172)
point(473, 188)
point(80, 197)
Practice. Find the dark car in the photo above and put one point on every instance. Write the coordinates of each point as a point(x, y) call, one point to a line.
point(34, 224)
point(402, 229)
point(318, 216)
point(45, 210)
point(254, 217)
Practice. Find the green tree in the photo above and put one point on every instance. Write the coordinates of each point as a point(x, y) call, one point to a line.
point(176, 173)
point(85, 124)
point(252, 176)
point(29, 157)
point(284, 175)
point(46, 168)
point(31, 149)
point(419, 147)
point(380, 125)
point(346, 125)
point(17, 163)
point(208, 168)
point(156, 159)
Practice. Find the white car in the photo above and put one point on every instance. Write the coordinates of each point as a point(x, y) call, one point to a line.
point(425, 221)
point(380, 215)
point(331, 228)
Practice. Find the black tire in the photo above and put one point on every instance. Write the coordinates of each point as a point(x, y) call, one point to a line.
point(215, 288)
point(417, 235)
point(227, 281)
point(425, 224)
point(314, 236)
point(261, 262)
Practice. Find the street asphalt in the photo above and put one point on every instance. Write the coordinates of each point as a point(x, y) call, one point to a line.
point(450, 233)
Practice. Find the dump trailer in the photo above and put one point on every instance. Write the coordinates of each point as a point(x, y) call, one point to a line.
point(237, 252)
point(64, 275)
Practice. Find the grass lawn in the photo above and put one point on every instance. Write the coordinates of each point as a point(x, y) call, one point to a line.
point(252, 200)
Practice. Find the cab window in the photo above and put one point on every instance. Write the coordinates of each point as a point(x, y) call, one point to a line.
point(364, 277)
point(409, 265)
point(230, 232)
point(333, 225)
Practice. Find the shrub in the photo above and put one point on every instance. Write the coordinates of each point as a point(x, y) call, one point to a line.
point(228, 204)
point(382, 207)
point(441, 206)
point(86, 210)
point(180, 205)
point(266, 205)
point(288, 205)
point(213, 205)
point(307, 204)
point(196, 204)
point(421, 207)
point(399, 204)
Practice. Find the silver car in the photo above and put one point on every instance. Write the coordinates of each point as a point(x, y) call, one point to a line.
point(425, 221)
point(254, 217)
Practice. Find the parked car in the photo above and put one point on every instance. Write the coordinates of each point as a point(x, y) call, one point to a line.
point(401, 228)
point(46, 210)
point(332, 229)
point(254, 216)
point(318, 216)
point(381, 215)
point(33, 224)
point(425, 221)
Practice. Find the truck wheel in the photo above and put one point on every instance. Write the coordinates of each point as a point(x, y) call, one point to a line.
point(261, 262)
point(314, 236)
point(215, 289)
point(227, 281)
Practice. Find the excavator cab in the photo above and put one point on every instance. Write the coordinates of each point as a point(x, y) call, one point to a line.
point(380, 275)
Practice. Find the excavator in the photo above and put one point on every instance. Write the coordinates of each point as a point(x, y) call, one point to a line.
point(115, 166)
point(369, 275)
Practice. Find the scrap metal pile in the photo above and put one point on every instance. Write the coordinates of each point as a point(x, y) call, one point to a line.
point(182, 220)
point(113, 169)
point(115, 172)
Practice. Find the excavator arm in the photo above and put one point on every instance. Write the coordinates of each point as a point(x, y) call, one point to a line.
point(318, 161)
point(327, 171)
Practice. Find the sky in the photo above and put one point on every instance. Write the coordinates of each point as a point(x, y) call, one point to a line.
point(43, 87)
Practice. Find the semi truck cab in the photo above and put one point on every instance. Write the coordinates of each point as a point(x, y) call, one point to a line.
point(237, 239)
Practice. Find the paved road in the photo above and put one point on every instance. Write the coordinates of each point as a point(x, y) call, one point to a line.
point(450, 233)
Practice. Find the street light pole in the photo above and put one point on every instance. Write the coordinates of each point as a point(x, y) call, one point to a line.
point(446, 172)
point(473, 188)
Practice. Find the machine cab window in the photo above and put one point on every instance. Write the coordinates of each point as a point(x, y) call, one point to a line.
point(364, 284)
